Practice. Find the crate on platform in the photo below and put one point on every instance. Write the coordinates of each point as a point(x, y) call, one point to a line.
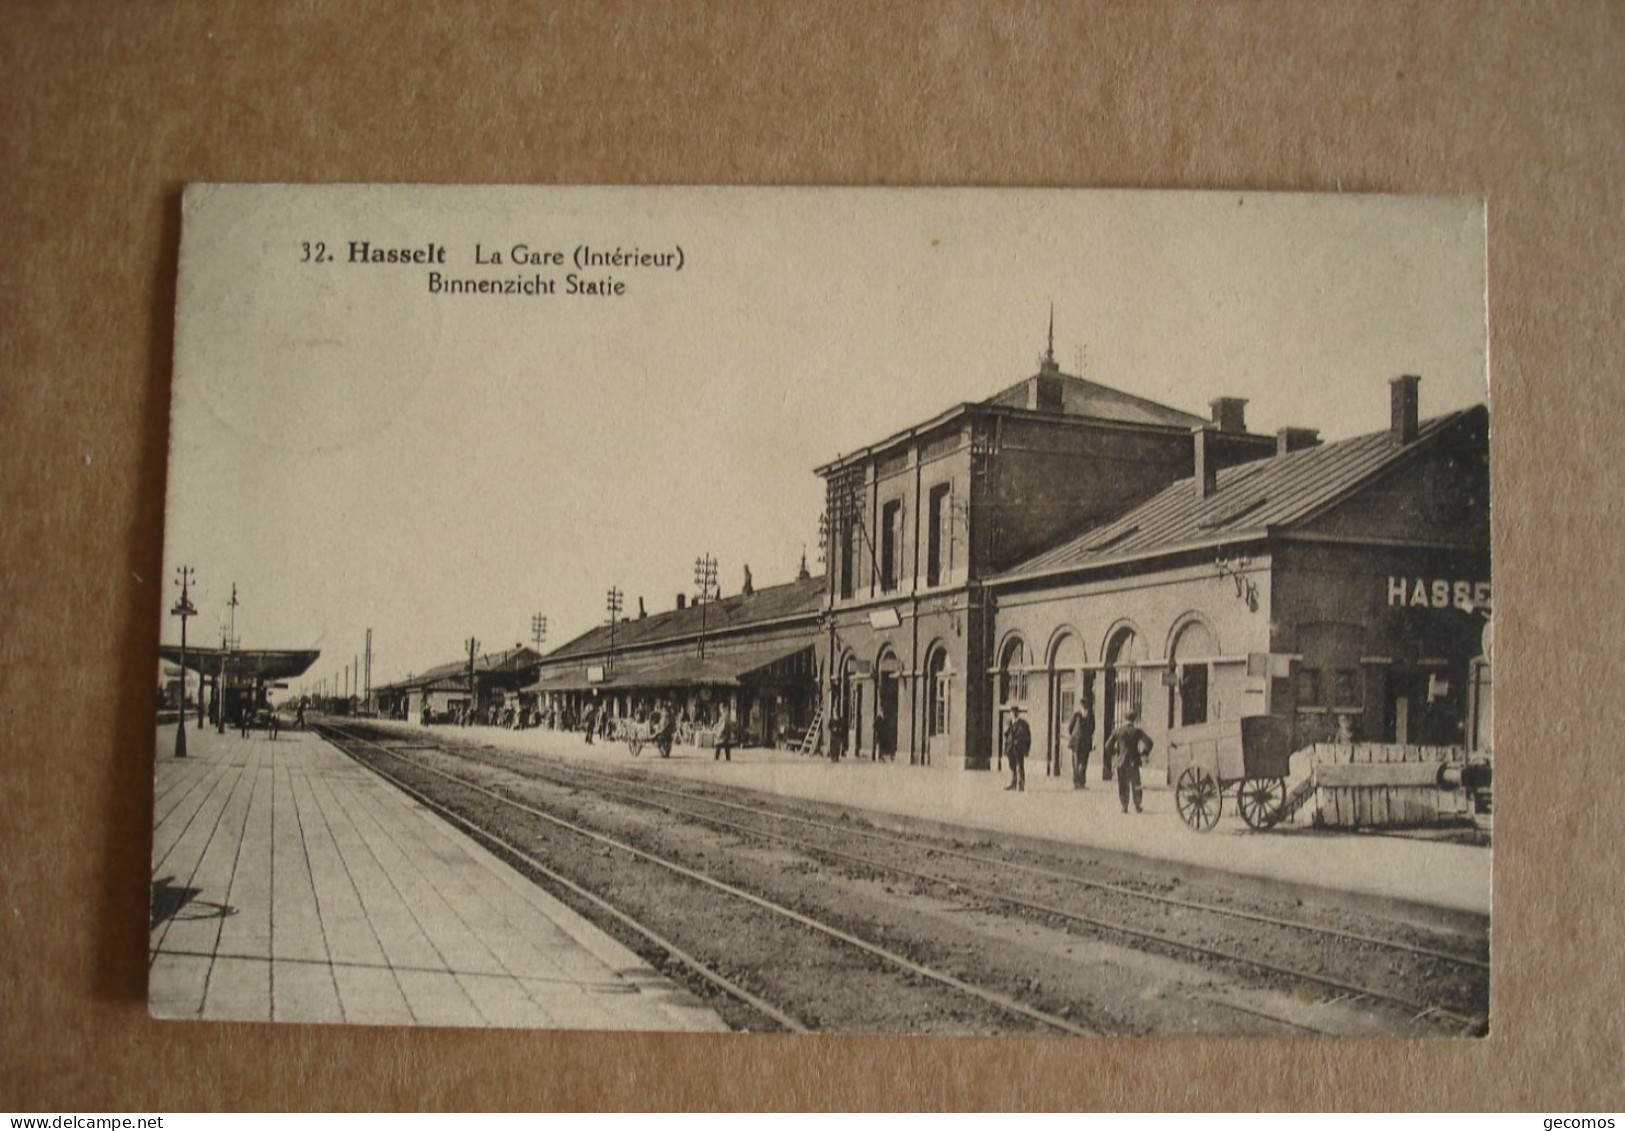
point(1376, 785)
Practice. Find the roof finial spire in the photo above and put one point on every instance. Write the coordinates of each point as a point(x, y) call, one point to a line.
point(1049, 352)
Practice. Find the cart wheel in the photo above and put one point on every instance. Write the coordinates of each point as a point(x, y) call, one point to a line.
point(635, 746)
point(1261, 801)
point(1198, 798)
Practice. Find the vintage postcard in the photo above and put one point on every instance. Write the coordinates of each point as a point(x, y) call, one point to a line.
point(911, 611)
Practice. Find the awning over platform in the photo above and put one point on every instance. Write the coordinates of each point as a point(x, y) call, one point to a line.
point(779, 664)
point(262, 665)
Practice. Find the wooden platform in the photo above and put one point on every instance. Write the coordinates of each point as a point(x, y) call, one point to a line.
point(291, 884)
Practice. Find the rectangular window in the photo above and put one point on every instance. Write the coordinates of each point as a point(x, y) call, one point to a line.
point(890, 524)
point(936, 534)
point(1193, 695)
point(939, 706)
point(1309, 687)
point(1345, 688)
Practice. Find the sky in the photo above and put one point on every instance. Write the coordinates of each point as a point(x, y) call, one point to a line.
point(353, 450)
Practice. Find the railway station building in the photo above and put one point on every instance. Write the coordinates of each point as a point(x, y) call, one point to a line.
point(1344, 587)
point(750, 656)
point(479, 686)
point(920, 521)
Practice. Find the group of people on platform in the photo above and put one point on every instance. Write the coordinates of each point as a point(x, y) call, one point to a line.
point(662, 724)
point(884, 733)
point(1126, 750)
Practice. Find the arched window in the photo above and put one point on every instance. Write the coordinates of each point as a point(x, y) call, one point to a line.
point(1123, 656)
point(1067, 686)
point(937, 685)
point(1192, 649)
point(1013, 672)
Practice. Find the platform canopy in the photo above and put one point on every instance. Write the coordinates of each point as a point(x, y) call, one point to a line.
point(262, 665)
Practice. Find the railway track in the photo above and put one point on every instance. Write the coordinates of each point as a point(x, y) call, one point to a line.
point(745, 820)
point(618, 786)
point(705, 971)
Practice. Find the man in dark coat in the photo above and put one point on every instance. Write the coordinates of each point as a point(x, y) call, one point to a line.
point(665, 730)
point(1127, 748)
point(1080, 739)
point(1018, 742)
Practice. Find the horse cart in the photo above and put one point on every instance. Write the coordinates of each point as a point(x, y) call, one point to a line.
point(1247, 758)
point(637, 735)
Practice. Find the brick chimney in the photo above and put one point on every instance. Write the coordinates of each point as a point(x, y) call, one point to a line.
point(1403, 402)
point(1207, 461)
point(682, 601)
point(642, 612)
point(1229, 413)
point(1289, 440)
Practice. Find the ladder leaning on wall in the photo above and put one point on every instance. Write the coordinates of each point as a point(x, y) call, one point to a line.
point(809, 741)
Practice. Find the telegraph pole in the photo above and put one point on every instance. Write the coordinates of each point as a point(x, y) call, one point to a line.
point(227, 645)
point(473, 647)
point(367, 672)
point(538, 631)
point(612, 602)
point(184, 609)
point(705, 580)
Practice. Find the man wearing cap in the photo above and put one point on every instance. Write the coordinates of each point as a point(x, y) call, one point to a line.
point(1018, 740)
point(1126, 749)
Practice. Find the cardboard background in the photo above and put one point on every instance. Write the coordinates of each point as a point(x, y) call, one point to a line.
point(106, 109)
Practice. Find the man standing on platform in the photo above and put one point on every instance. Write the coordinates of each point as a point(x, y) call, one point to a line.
point(725, 736)
point(1080, 739)
point(1018, 742)
point(1126, 749)
point(665, 729)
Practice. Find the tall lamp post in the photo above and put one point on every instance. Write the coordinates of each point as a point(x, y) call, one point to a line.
point(184, 609)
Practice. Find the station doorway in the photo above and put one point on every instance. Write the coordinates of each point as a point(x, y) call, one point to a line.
point(886, 687)
point(1123, 685)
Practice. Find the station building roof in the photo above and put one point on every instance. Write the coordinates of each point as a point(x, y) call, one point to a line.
point(1250, 501)
point(454, 675)
point(733, 668)
point(1075, 398)
point(1082, 397)
point(801, 599)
